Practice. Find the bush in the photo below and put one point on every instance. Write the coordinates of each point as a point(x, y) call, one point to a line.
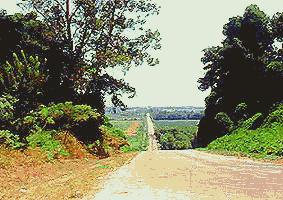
point(266, 140)
point(45, 140)
point(46, 121)
point(7, 112)
point(224, 121)
point(241, 111)
point(10, 140)
point(7, 107)
point(275, 66)
point(22, 75)
point(63, 116)
point(275, 117)
point(113, 138)
point(115, 132)
point(253, 122)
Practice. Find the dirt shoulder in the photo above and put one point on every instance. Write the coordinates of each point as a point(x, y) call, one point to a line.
point(59, 179)
point(132, 130)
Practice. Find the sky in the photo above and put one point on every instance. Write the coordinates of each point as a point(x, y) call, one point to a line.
point(187, 27)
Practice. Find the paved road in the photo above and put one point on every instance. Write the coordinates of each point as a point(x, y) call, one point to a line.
point(182, 175)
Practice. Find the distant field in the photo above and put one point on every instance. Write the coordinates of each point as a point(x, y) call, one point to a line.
point(135, 132)
point(123, 125)
point(175, 123)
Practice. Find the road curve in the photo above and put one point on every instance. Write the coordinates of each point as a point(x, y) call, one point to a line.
point(193, 175)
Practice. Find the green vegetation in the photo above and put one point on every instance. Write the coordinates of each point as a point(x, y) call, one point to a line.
point(260, 143)
point(176, 137)
point(10, 140)
point(244, 73)
point(175, 123)
point(137, 141)
point(224, 121)
point(47, 142)
point(157, 113)
point(175, 134)
point(123, 125)
point(263, 142)
point(53, 73)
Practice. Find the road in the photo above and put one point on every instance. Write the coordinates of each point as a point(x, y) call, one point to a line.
point(192, 175)
point(153, 146)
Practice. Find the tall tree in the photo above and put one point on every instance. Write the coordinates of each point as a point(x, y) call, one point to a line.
point(26, 32)
point(98, 35)
point(246, 69)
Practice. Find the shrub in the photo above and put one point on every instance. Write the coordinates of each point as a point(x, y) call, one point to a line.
point(252, 122)
point(275, 117)
point(266, 140)
point(43, 123)
point(45, 140)
point(23, 74)
point(241, 111)
point(63, 116)
point(113, 138)
point(224, 121)
point(113, 131)
point(10, 140)
point(275, 66)
point(75, 148)
point(7, 103)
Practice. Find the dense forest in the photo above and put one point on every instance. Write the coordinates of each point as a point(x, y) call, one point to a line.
point(245, 77)
point(54, 61)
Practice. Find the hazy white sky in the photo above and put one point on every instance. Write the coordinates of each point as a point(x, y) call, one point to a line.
point(187, 27)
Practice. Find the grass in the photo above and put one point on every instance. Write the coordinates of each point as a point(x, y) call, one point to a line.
point(123, 125)
point(266, 143)
point(138, 141)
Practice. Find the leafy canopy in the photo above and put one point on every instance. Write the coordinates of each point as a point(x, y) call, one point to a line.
point(98, 35)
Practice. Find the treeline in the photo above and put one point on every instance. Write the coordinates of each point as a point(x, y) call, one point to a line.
point(177, 116)
point(175, 137)
point(158, 113)
point(177, 113)
point(245, 76)
point(54, 58)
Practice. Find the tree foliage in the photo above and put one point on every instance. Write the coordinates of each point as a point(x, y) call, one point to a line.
point(98, 35)
point(175, 138)
point(246, 67)
point(27, 122)
point(26, 32)
point(251, 138)
point(74, 43)
point(23, 79)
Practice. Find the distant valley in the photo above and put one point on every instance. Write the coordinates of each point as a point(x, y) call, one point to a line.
point(157, 113)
